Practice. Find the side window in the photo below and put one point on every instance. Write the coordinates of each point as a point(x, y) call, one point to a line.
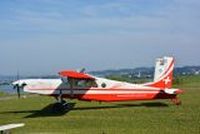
point(103, 85)
point(81, 83)
point(78, 83)
point(85, 83)
point(91, 83)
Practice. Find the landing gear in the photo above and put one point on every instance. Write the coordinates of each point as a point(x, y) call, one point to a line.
point(61, 105)
point(176, 101)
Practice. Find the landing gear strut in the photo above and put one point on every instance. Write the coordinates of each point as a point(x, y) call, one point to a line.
point(61, 105)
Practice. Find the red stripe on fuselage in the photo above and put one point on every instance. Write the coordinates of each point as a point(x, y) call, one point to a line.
point(114, 95)
point(97, 89)
point(119, 97)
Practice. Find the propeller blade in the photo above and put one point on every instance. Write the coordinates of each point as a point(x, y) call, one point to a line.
point(18, 91)
point(82, 70)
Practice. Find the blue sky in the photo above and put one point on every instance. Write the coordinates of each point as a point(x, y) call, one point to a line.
point(45, 36)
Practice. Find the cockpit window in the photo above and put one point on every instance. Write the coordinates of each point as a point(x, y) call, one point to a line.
point(85, 83)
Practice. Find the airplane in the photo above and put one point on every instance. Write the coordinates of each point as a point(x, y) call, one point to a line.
point(82, 86)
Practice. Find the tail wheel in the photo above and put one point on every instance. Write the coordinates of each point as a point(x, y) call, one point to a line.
point(176, 101)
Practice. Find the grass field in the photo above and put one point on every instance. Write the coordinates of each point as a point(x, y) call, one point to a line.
point(108, 118)
point(2, 94)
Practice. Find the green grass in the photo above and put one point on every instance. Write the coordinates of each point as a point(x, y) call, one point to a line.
point(188, 81)
point(2, 94)
point(108, 118)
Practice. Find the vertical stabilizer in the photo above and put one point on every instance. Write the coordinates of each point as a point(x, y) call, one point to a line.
point(163, 75)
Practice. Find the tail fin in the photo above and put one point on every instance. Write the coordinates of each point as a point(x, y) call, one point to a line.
point(163, 73)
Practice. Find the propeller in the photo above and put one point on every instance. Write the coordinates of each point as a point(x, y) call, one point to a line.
point(18, 85)
point(82, 70)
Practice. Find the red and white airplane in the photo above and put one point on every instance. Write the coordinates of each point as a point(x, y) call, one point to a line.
point(82, 86)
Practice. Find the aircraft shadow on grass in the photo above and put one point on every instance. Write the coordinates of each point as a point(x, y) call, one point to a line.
point(49, 111)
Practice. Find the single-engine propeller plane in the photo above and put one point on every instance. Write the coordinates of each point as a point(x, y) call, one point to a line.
point(82, 86)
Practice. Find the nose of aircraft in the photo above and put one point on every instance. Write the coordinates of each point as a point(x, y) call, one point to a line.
point(19, 84)
point(15, 82)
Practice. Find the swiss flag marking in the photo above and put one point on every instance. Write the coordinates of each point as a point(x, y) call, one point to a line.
point(167, 80)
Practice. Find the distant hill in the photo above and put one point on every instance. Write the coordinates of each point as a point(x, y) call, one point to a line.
point(146, 72)
point(187, 70)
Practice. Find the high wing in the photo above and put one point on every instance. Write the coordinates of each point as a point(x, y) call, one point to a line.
point(75, 75)
point(77, 79)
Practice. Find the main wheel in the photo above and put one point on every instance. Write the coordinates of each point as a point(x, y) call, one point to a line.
point(58, 107)
point(176, 101)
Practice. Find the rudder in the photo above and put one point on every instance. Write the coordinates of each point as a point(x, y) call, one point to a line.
point(163, 75)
